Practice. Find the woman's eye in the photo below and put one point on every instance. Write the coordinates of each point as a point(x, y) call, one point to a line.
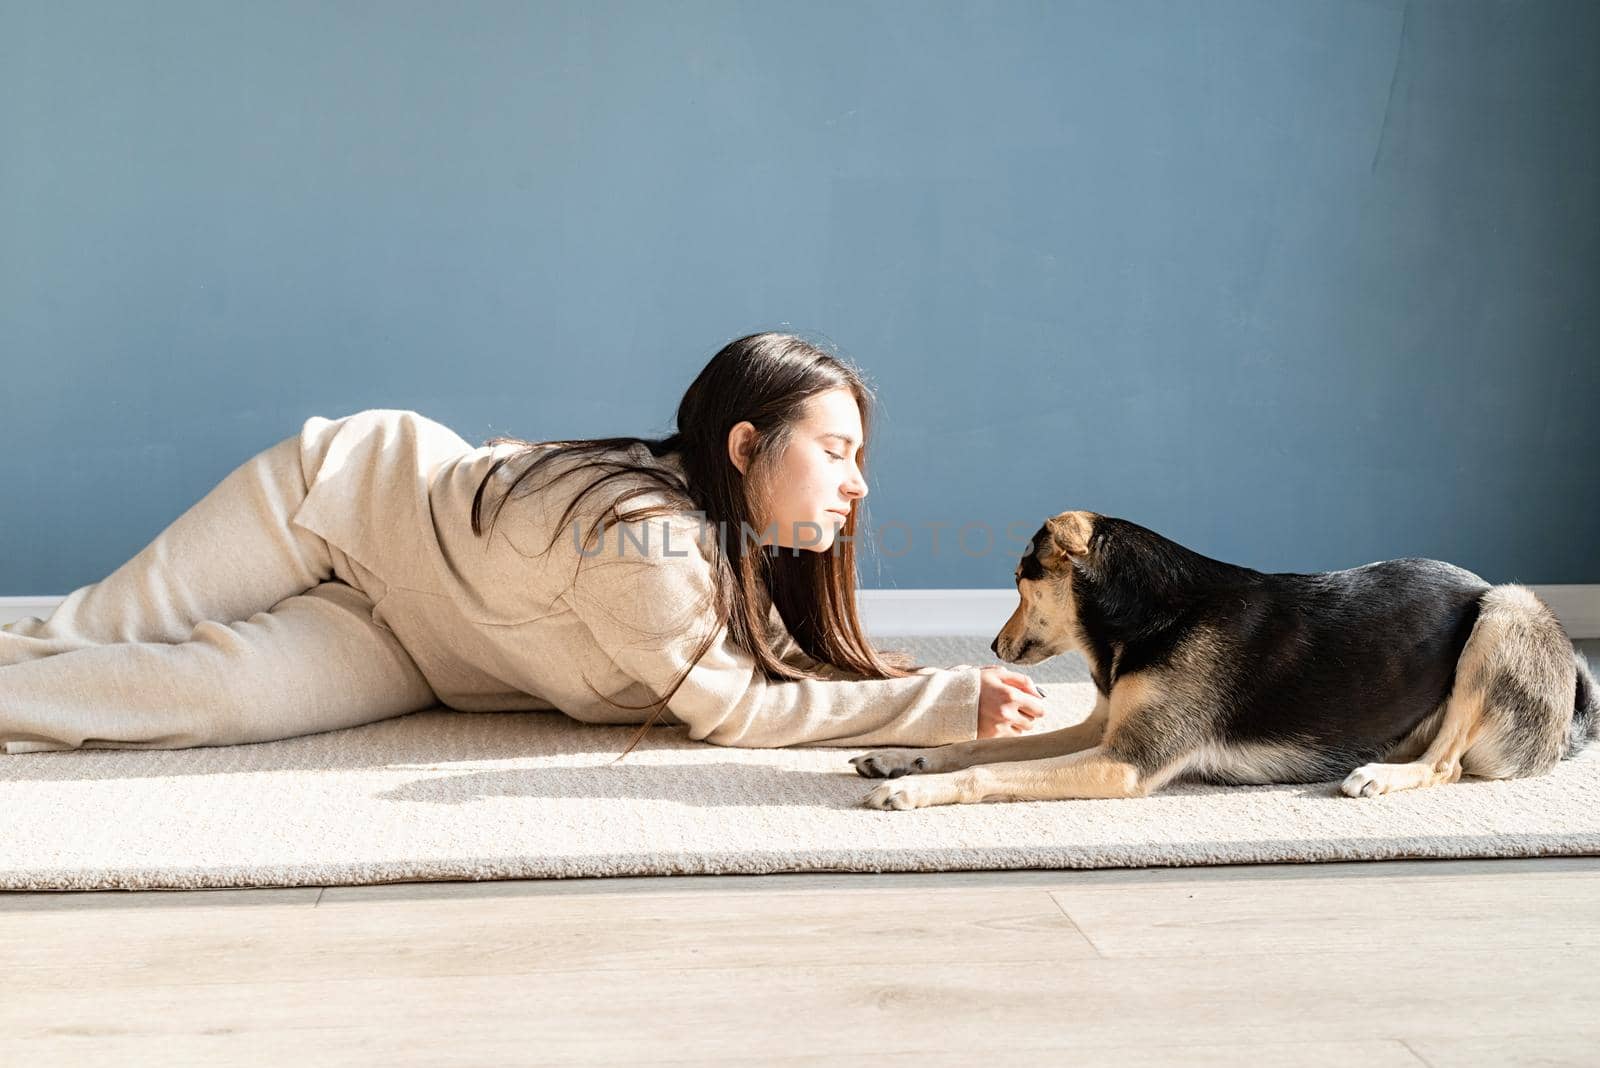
point(835, 455)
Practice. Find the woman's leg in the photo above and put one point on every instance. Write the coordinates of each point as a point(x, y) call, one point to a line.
point(315, 662)
point(231, 555)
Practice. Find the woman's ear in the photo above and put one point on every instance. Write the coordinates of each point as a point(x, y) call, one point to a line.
point(741, 439)
point(1069, 532)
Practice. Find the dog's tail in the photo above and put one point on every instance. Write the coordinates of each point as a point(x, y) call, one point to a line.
point(1585, 707)
point(1523, 693)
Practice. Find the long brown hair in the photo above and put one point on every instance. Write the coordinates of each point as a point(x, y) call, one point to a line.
point(765, 379)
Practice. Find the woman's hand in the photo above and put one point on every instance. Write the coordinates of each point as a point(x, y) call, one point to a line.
point(1008, 702)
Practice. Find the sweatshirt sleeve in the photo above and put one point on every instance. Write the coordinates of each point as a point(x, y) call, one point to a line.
point(649, 609)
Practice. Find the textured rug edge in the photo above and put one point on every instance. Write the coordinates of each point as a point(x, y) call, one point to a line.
point(773, 863)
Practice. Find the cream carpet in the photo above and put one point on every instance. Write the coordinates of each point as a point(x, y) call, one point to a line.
point(443, 795)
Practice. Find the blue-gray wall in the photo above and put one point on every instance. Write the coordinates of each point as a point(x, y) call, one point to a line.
point(1299, 284)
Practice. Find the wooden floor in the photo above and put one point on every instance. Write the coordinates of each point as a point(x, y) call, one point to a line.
point(1397, 963)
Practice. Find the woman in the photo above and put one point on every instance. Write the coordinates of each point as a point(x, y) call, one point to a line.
point(346, 575)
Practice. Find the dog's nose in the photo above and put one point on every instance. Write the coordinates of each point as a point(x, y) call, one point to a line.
point(994, 647)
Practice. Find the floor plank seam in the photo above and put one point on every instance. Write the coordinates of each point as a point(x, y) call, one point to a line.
point(1075, 925)
point(1412, 1050)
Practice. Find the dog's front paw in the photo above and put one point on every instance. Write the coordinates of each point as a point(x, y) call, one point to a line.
point(891, 763)
point(917, 793)
point(1368, 780)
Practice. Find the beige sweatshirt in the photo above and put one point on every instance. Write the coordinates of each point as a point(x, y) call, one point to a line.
point(495, 626)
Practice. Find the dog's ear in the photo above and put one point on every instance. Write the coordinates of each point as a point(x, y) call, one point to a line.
point(1069, 532)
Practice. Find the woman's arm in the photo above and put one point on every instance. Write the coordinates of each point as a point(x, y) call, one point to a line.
point(649, 612)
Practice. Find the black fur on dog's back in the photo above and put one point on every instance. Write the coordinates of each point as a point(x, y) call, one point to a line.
point(1341, 665)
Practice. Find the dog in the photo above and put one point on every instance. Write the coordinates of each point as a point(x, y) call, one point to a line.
point(1413, 672)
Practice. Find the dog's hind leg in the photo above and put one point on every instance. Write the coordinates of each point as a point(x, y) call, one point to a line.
point(1510, 707)
point(1440, 763)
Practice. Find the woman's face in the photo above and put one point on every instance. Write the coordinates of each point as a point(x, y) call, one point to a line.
point(816, 482)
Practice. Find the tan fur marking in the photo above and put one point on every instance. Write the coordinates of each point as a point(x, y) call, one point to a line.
point(1071, 531)
point(1046, 616)
point(1413, 745)
point(1089, 774)
point(1131, 693)
point(1246, 762)
point(1015, 629)
point(1199, 655)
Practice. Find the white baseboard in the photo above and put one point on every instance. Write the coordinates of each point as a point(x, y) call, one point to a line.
point(913, 613)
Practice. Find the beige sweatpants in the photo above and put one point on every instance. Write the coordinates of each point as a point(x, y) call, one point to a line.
point(232, 626)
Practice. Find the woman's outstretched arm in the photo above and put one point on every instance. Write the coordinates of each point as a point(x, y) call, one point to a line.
point(648, 614)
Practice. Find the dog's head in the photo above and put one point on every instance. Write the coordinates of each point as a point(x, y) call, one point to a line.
point(1045, 623)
